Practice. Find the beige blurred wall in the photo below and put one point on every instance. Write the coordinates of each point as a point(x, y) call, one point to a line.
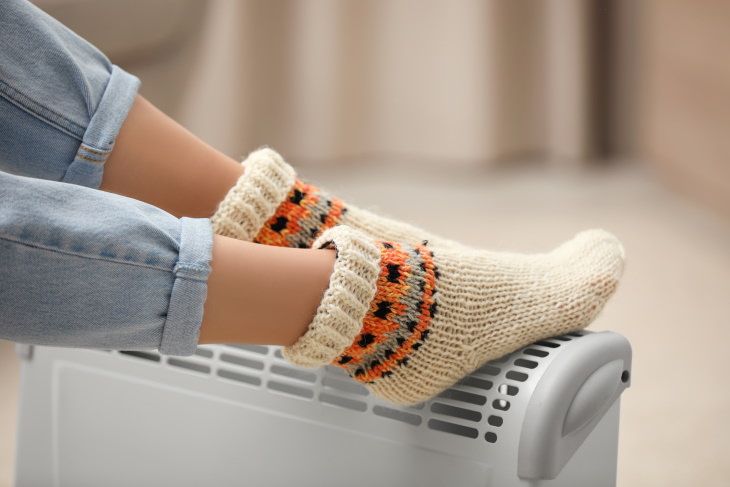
point(685, 93)
point(326, 80)
point(567, 82)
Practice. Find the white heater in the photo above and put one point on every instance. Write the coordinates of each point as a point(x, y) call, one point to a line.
point(546, 415)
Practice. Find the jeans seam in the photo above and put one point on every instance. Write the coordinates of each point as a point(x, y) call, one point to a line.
point(85, 256)
point(84, 158)
point(39, 111)
point(95, 155)
point(191, 266)
point(98, 152)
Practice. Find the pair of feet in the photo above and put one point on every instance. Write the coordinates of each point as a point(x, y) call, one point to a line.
point(408, 313)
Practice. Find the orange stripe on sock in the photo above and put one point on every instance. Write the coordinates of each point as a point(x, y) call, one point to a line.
point(369, 362)
point(295, 218)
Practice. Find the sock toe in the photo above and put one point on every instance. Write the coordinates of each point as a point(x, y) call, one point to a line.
point(599, 257)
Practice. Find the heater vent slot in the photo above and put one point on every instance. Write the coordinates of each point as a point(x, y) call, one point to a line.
point(456, 412)
point(527, 364)
point(518, 376)
point(296, 374)
point(243, 378)
point(242, 361)
point(536, 353)
point(477, 383)
point(453, 428)
point(398, 415)
point(343, 402)
point(463, 396)
point(501, 404)
point(495, 420)
point(508, 390)
point(348, 386)
point(291, 390)
point(489, 370)
point(188, 365)
point(337, 372)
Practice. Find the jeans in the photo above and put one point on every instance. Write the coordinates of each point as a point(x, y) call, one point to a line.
point(80, 267)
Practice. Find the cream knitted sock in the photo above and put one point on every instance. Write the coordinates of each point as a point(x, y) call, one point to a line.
point(269, 205)
point(409, 322)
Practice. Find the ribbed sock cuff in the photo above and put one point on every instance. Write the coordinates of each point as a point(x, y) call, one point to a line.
point(340, 315)
point(254, 199)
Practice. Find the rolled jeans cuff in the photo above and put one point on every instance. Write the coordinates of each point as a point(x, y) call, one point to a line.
point(185, 314)
point(87, 168)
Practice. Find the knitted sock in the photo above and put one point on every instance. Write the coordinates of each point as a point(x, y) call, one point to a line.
point(269, 205)
point(409, 322)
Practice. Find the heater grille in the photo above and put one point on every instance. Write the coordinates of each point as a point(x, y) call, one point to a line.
point(477, 406)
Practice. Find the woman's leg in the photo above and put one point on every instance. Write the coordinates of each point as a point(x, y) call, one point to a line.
point(259, 294)
point(157, 161)
point(84, 268)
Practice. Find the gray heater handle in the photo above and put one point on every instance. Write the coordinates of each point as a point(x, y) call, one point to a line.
point(579, 386)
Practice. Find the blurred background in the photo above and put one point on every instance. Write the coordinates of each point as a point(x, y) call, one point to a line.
point(506, 124)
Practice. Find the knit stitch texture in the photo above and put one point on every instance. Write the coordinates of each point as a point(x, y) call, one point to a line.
point(269, 205)
point(409, 322)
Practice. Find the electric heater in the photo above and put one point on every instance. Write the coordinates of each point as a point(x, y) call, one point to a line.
point(546, 415)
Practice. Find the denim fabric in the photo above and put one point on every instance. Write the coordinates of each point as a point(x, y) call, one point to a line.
point(84, 268)
point(80, 267)
point(61, 101)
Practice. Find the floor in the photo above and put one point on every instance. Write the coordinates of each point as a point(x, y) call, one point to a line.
point(672, 303)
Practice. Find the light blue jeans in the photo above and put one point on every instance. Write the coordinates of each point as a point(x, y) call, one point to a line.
point(80, 267)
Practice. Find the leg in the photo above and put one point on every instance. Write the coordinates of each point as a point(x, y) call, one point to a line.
point(84, 268)
point(262, 294)
point(157, 161)
point(67, 114)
